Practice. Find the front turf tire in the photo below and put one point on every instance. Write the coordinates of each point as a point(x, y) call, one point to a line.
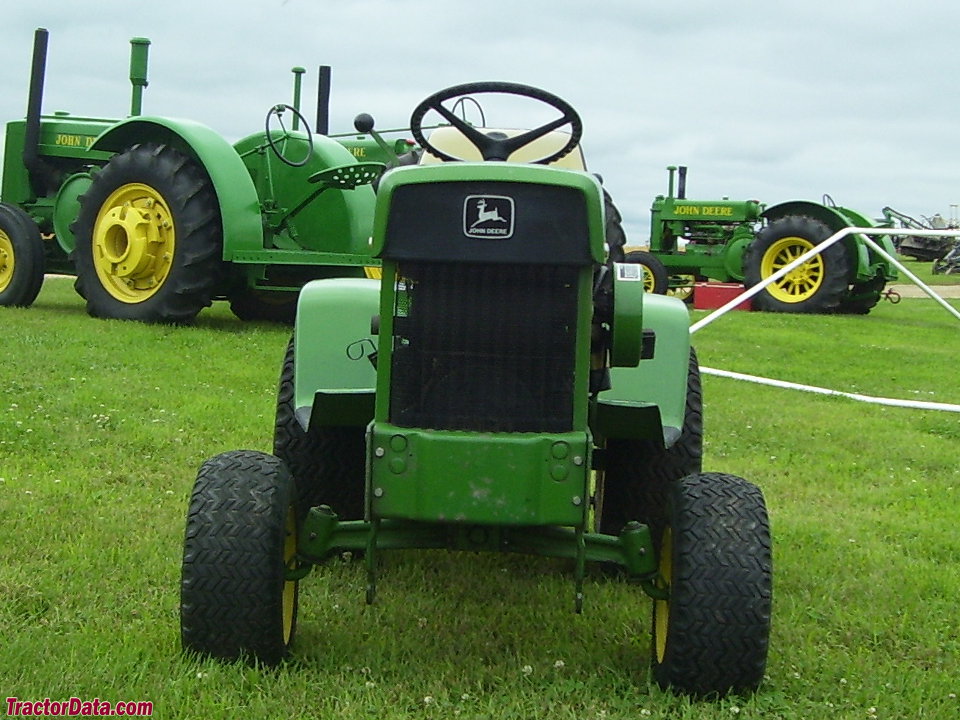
point(235, 602)
point(149, 238)
point(21, 257)
point(710, 637)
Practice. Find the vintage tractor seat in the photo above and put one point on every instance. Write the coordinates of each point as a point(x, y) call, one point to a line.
point(451, 141)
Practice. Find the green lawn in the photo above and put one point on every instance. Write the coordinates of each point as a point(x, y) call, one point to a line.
point(924, 271)
point(103, 425)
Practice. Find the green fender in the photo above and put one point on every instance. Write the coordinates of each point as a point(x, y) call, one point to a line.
point(864, 261)
point(236, 194)
point(334, 377)
point(649, 400)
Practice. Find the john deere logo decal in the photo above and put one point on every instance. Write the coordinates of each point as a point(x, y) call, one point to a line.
point(488, 216)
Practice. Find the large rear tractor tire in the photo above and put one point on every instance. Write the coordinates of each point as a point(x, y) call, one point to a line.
point(638, 473)
point(655, 277)
point(328, 463)
point(149, 238)
point(21, 257)
point(817, 286)
point(710, 637)
point(241, 537)
point(863, 297)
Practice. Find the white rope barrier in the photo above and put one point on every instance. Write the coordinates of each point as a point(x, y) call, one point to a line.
point(837, 236)
point(750, 292)
point(915, 404)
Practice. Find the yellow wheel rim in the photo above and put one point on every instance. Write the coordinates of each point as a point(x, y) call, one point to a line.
point(801, 283)
point(683, 291)
point(6, 260)
point(290, 586)
point(133, 243)
point(649, 281)
point(661, 608)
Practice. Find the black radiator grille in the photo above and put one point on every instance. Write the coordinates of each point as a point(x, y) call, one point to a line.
point(484, 347)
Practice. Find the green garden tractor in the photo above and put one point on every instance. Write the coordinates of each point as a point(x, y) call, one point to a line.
point(505, 386)
point(157, 217)
point(741, 241)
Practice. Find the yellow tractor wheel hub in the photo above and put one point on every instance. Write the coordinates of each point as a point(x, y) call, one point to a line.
point(801, 283)
point(6, 260)
point(133, 243)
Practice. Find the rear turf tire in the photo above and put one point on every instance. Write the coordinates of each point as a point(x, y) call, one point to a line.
point(21, 257)
point(639, 473)
point(327, 463)
point(711, 636)
point(149, 238)
point(614, 235)
point(241, 535)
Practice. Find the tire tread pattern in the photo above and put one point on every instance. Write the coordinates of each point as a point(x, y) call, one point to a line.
point(231, 593)
point(195, 273)
point(639, 472)
point(834, 286)
point(328, 464)
point(721, 589)
point(29, 259)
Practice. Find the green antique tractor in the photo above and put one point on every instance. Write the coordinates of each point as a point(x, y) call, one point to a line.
point(157, 217)
point(505, 386)
point(741, 241)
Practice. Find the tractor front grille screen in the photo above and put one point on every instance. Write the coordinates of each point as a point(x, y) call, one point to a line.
point(484, 347)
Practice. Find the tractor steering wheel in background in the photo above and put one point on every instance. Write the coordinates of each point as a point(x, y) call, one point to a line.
point(497, 147)
point(278, 110)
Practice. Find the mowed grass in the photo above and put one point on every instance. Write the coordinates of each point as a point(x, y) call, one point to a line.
point(103, 425)
point(924, 271)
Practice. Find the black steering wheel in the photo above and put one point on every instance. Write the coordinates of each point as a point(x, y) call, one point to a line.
point(278, 110)
point(497, 147)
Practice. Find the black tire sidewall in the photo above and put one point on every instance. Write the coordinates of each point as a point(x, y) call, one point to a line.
point(721, 588)
point(327, 463)
point(835, 282)
point(28, 257)
point(232, 583)
point(656, 268)
point(638, 473)
point(252, 305)
point(614, 234)
point(195, 270)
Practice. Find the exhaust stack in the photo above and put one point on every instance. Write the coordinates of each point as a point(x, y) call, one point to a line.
point(31, 139)
point(323, 101)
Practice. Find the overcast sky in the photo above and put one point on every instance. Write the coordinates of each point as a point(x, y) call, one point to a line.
point(762, 100)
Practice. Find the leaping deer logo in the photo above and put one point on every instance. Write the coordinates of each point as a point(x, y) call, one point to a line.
point(484, 215)
point(488, 217)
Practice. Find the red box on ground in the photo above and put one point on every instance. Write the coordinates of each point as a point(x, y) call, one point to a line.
point(710, 296)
